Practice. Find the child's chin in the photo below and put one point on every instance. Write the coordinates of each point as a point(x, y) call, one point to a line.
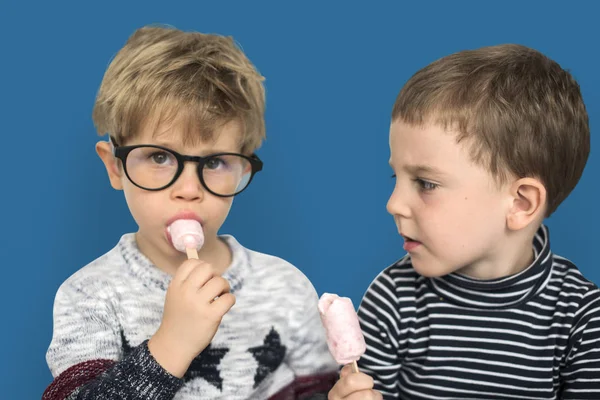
point(430, 270)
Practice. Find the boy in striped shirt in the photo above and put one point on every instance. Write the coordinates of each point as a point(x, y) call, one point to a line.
point(484, 145)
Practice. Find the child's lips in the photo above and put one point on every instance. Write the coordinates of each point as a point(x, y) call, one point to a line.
point(410, 244)
point(185, 214)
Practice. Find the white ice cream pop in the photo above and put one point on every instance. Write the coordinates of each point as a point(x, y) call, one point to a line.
point(187, 236)
point(344, 336)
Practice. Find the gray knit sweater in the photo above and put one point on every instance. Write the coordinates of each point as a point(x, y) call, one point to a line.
point(271, 344)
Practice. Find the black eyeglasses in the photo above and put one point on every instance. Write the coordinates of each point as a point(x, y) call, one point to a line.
point(156, 168)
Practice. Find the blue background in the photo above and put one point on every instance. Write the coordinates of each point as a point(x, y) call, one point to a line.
point(333, 72)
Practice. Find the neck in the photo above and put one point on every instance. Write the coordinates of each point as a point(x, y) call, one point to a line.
point(514, 255)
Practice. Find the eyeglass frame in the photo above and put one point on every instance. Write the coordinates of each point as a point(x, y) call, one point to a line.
point(121, 152)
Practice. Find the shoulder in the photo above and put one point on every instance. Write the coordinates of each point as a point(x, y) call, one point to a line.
point(98, 277)
point(394, 288)
point(574, 288)
point(570, 279)
point(273, 272)
point(398, 276)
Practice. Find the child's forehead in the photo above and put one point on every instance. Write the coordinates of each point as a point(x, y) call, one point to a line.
point(427, 138)
point(186, 132)
point(429, 146)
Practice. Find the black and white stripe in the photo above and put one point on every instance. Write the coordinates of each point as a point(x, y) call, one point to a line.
point(534, 335)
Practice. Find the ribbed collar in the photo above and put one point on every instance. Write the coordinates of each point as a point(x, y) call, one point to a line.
point(150, 275)
point(502, 292)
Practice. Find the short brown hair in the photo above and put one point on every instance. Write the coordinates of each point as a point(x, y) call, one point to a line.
point(167, 73)
point(520, 111)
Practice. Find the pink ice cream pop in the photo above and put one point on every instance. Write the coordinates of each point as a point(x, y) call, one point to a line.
point(187, 236)
point(344, 337)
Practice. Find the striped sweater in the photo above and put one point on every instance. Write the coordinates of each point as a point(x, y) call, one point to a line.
point(533, 335)
point(270, 345)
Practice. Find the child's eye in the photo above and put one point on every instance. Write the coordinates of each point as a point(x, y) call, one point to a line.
point(426, 186)
point(161, 157)
point(215, 163)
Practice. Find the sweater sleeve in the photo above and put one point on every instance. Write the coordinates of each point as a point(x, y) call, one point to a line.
point(309, 358)
point(581, 373)
point(86, 354)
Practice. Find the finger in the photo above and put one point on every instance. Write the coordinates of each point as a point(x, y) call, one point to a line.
point(199, 276)
point(346, 370)
point(365, 395)
point(185, 269)
point(213, 288)
point(224, 303)
point(351, 383)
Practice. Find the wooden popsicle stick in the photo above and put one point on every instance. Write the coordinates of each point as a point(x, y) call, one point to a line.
point(191, 253)
point(355, 367)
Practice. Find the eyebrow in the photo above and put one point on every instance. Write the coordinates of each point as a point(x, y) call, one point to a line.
point(205, 152)
point(421, 169)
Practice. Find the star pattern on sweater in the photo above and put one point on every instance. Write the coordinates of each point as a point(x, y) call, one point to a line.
point(205, 365)
point(269, 356)
point(125, 345)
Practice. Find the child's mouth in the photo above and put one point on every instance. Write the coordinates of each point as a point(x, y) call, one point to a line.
point(410, 244)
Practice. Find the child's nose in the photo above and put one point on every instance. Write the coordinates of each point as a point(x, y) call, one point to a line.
point(397, 204)
point(188, 185)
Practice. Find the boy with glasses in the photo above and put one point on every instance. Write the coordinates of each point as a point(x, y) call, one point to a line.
point(184, 113)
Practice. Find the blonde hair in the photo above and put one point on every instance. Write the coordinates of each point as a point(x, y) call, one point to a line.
point(163, 73)
point(520, 112)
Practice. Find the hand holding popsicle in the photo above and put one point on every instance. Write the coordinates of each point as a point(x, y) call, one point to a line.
point(354, 386)
point(195, 303)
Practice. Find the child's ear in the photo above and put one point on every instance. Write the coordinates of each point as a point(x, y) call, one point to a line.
point(104, 150)
point(528, 197)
